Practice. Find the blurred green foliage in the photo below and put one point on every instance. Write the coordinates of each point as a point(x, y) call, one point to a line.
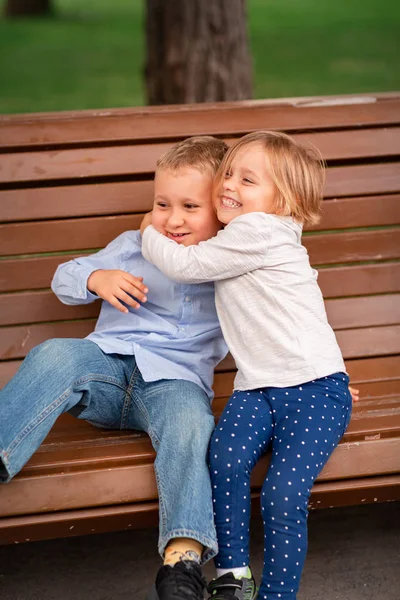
point(91, 53)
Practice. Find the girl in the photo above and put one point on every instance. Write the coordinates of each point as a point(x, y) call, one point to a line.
point(291, 390)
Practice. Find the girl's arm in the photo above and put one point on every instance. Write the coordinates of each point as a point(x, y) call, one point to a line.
point(239, 248)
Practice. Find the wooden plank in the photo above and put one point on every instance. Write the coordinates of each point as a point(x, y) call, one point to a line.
point(367, 311)
point(39, 306)
point(359, 280)
point(369, 211)
point(88, 486)
point(141, 159)
point(376, 388)
point(361, 371)
point(370, 341)
point(226, 118)
point(96, 232)
point(353, 246)
point(362, 179)
point(16, 342)
point(361, 459)
point(76, 201)
point(32, 204)
point(27, 273)
point(34, 273)
point(68, 234)
point(61, 524)
point(370, 369)
point(141, 515)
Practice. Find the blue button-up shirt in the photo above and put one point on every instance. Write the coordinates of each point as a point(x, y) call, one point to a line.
point(174, 335)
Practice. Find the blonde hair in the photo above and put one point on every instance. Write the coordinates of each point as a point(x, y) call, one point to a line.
point(202, 152)
point(298, 173)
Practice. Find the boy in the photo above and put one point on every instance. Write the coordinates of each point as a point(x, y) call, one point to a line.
point(148, 365)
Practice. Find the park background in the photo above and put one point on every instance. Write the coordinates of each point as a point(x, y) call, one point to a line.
point(91, 53)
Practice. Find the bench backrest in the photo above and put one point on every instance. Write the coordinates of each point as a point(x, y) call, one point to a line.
point(71, 182)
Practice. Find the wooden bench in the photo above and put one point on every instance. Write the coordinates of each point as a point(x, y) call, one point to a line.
point(71, 182)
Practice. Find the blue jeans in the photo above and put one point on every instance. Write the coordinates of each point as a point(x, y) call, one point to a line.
point(302, 424)
point(76, 376)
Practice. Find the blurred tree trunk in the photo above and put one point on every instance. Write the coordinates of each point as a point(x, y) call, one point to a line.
point(27, 8)
point(197, 51)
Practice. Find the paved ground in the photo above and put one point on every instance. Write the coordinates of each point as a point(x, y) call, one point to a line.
point(354, 554)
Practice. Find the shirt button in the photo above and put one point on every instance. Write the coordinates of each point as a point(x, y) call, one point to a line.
point(187, 298)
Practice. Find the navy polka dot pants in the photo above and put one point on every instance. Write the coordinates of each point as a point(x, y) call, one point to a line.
point(301, 425)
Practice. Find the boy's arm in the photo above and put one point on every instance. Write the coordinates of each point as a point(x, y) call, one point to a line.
point(105, 271)
point(239, 248)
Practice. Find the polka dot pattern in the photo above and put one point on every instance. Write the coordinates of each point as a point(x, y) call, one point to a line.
point(301, 425)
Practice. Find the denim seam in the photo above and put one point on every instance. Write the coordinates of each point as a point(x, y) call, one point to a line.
point(128, 394)
point(153, 436)
point(52, 407)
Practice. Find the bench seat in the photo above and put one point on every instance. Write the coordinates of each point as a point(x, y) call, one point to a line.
point(71, 182)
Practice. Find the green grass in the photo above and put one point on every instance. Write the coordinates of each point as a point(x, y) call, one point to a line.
point(91, 54)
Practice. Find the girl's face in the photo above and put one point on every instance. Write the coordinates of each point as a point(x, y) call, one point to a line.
point(247, 186)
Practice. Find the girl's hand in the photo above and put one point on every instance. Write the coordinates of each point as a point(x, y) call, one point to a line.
point(115, 286)
point(146, 222)
point(355, 394)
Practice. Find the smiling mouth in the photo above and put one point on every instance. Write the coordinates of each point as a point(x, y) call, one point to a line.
point(176, 236)
point(227, 202)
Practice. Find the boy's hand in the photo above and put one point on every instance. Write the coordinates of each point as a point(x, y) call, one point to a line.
point(146, 222)
point(115, 285)
point(355, 394)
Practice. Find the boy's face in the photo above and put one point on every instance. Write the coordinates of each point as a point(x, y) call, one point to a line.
point(247, 186)
point(183, 210)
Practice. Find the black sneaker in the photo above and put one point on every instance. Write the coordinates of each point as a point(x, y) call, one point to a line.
point(227, 587)
point(183, 581)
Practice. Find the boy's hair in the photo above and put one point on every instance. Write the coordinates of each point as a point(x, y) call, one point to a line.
point(298, 173)
point(202, 152)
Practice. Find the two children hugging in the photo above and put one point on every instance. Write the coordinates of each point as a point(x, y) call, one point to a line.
point(291, 391)
point(149, 366)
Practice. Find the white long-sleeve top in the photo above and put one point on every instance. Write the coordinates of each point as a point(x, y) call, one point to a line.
point(268, 301)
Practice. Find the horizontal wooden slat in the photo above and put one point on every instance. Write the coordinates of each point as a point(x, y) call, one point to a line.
point(360, 370)
point(372, 369)
point(29, 273)
point(34, 273)
point(358, 280)
point(368, 311)
point(76, 201)
point(137, 197)
point(371, 341)
point(362, 179)
point(141, 159)
point(96, 232)
point(15, 342)
point(377, 388)
point(361, 459)
point(88, 486)
point(353, 246)
point(369, 211)
point(229, 118)
point(68, 234)
point(36, 307)
point(64, 524)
